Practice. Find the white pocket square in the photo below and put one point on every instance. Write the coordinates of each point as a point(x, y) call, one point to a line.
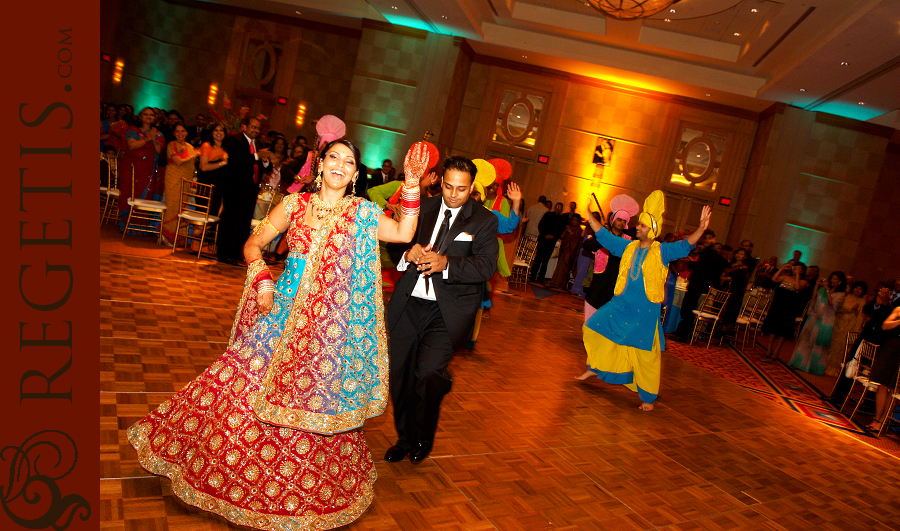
point(463, 237)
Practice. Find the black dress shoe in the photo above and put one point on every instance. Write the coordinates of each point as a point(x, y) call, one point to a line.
point(395, 453)
point(419, 452)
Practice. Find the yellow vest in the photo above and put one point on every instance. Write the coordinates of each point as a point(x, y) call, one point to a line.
point(653, 269)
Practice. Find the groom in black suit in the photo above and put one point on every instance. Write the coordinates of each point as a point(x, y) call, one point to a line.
point(433, 306)
point(239, 190)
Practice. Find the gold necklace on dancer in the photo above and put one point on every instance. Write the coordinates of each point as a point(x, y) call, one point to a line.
point(323, 209)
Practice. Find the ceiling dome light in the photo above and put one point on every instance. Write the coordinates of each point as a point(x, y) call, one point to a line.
point(736, 34)
point(862, 103)
point(802, 90)
point(844, 63)
point(753, 10)
point(631, 9)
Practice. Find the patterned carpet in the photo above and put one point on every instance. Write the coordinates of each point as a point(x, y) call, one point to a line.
point(782, 385)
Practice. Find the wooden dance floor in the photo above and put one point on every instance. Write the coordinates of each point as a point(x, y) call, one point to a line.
point(520, 446)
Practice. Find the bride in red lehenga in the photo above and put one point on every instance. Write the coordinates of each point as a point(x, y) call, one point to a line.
point(269, 436)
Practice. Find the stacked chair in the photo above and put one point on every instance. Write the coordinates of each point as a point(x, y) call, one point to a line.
point(522, 264)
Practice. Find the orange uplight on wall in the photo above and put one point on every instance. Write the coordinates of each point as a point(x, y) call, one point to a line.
point(117, 71)
point(213, 92)
point(301, 114)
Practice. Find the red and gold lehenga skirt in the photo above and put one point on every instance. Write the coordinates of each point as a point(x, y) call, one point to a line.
point(209, 441)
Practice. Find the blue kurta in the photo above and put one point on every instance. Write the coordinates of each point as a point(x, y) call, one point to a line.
point(630, 320)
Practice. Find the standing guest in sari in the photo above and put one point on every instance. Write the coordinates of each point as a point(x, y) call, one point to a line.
point(269, 436)
point(814, 341)
point(213, 159)
point(624, 338)
point(847, 319)
point(144, 145)
point(119, 126)
point(181, 157)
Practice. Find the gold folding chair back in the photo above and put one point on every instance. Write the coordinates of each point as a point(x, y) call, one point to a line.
point(889, 410)
point(709, 314)
point(744, 320)
point(522, 262)
point(866, 355)
point(194, 214)
point(144, 215)
point(109, 195)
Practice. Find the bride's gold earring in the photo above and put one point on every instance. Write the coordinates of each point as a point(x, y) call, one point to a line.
point(319, 180)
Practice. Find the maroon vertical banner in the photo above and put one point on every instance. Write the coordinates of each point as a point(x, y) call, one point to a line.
point(49, 385)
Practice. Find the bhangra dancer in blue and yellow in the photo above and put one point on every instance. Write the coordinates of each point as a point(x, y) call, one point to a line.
point(623, 338)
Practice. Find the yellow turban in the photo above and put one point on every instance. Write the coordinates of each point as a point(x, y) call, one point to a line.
point(476, 187)
point(652, 216)
point(485, 174)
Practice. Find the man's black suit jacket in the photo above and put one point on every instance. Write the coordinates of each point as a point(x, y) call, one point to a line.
point(240, 162)
point(470, 263)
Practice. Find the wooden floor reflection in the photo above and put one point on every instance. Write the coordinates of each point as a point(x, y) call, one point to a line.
point(521, 445)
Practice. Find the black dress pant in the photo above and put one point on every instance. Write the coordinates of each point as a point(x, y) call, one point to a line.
point(542, 256)
point(420, 351)
point(238, 201)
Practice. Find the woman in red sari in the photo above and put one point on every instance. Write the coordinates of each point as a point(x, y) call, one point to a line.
point(143, 144)
point(269, 436)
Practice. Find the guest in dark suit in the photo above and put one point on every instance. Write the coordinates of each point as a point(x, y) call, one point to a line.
point(239, 189)
point(434, 303)
point(705, 272)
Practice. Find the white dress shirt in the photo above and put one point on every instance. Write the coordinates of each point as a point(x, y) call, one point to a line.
point(419, 289)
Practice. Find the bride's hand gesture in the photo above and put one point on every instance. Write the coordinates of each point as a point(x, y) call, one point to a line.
point(415, 164)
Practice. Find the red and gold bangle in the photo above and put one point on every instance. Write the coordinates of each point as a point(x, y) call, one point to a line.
point(409, 201)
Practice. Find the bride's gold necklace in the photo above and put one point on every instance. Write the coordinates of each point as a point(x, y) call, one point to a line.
point(323, 209)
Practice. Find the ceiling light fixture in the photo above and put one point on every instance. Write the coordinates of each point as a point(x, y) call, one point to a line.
point(524, 57)
point(862, 103)
point(844, 63)
point(668, 20)
point(802, 90)
point(707, 95)
point(736, 34)
point(630, 9)
point(393, 7)
point(444, 17)
point(753, 10)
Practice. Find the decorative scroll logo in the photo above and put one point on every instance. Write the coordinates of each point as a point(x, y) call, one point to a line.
point(32, 481)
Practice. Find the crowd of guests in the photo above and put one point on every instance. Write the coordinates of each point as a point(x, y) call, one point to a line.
point(156, 149)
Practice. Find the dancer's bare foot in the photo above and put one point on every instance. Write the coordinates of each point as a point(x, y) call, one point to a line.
point(587, 374)
point(645, 406)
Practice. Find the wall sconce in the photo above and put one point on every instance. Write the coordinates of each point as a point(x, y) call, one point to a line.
point(213, 93)
point(117, 71)
point(301, 114)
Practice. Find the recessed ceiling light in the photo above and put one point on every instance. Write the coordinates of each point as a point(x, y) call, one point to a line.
point(844, 63)
point(299, 13)
point(671, 11)
point(707, 95)
point(802, 90)
point(736, 34)
point(444, 17)
point(753, 10)
point(393, 7)
point(668, 20)
point(862, 103)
